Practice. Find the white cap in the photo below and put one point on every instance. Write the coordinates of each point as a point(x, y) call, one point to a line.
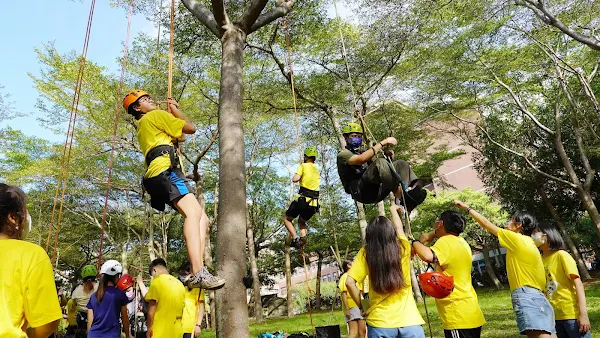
point(111, 268)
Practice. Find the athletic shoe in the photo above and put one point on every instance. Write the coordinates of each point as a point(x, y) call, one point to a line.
point(204, 280)
point(296, 243)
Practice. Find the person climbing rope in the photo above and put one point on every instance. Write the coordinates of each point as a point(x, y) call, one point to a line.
point(27, 289)
point(108, 304)
point(164, 180)
point(370, 180)
point(460, 313)
point(385, 258)
point(306, 202)
point(166, 300)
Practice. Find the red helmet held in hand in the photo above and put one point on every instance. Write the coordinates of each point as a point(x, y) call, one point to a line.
point(437, 285)
point(125, 282)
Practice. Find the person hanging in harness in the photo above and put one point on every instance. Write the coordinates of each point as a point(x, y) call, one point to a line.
point(370, 180)
point(164, 181)
point(306, 202)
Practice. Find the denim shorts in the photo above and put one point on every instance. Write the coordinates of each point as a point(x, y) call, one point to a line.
point(532, 309)
point(570, 329)
point(414, 331)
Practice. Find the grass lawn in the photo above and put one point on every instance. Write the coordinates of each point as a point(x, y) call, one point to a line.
point(496, 307)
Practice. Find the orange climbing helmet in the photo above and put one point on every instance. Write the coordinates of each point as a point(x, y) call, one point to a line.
point(131, 98)
point(436, 284)
point(125, 282)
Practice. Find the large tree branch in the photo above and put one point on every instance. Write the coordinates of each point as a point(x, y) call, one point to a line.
point(514, 152)
point(251, 13)
point(218, 9)
point(516, 98)
point(279, 11)
point(203, 14)
point(540, 10)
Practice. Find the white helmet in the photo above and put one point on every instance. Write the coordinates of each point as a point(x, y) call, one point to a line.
point(111, 268)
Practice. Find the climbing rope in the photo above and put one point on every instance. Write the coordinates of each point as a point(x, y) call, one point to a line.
point(345, 54)
point(289, 60)
point(66, 155)
point(115, 127)
point(171, 52)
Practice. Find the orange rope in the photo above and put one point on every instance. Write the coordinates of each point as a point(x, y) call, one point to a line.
point(289, 59)
point(171, 52)
point(115, 127)
point(65, 162)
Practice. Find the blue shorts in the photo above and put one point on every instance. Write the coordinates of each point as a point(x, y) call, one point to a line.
point(414, 331)
point(533, 311)
point(570, 329)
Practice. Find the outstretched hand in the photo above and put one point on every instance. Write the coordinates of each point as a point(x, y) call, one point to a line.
point(461, 205)
point(396, 208)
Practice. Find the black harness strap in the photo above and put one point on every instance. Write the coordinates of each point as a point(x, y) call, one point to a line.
point(314, 194)
point(161, 150)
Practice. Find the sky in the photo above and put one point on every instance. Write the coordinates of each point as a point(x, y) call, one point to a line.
point(62, 22)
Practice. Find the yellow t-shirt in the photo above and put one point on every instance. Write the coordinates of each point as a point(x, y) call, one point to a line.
point(71, 313)
point(191, 308)
point(395, 310)
point(560, 289)
point(523, 261)
point(342, 286)
point(156, 128)
point(460, 310)
point(310, 178)
point(169, 294)
point(27, 290)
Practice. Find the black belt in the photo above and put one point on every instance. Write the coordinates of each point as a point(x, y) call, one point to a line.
point(314, 194)
point(165, 149)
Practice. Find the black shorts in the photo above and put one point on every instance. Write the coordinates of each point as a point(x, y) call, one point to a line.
point(166, 188)
point(463, 333)
point(302, 209)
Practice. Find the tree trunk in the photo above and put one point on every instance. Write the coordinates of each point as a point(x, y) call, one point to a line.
point(415, 283)
point(150, 227)
point(568, 240)
point(362, 220)
point(318, 281)
point(231, 247)
point(288, 278)
point(208, 262)
point(490, 269)
point(254, 269)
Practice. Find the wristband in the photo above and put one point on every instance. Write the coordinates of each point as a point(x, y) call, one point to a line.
point(469, 210)
point(374, 151)
point(415, 240)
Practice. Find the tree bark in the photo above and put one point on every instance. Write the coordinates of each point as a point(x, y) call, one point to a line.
point(208, 262)
point(318, 281)
point(254, 270)
point(490, 269)
point(415, 283)
point(563, 230)
point(362, 220)
point(288, 278)
point(231, 299)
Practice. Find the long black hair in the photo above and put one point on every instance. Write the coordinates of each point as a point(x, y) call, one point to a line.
point(346, 265)
point(555, 240)
point(103, 285)
point(528, 222)
point(383, 252)
point(12, 201)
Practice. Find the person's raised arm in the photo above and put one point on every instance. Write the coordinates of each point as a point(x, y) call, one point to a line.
point(189, 127)
point(394, 209)
point(43, 331)
point(367, 155)
point(296, 178)
point(198, 327)
point(484, 222)
point(421, 249)
point(142, 286)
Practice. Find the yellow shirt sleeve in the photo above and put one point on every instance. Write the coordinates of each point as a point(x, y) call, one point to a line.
point(40, 301)
point(568, 264)
point(442, 252)
point(168, 123)
point(359, 269)
point(508, 239)
point(342, 283)
point(300, 170)
point(154, 291)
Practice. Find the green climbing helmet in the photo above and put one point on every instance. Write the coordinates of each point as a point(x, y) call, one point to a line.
point(310, 152)
point(89, 271)
point(352, 128)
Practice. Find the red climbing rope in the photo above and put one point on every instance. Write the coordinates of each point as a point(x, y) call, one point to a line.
point(115, 127)
point(66, 155)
